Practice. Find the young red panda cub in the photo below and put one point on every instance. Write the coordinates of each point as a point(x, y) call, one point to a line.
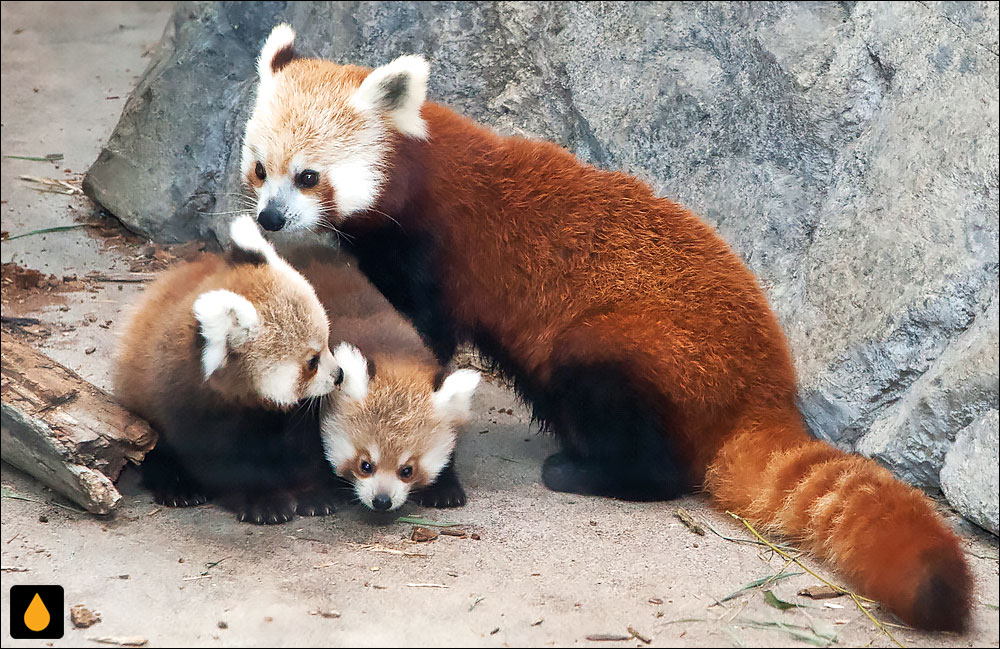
point(634, 331)
point(219, 356)
point(391, 428)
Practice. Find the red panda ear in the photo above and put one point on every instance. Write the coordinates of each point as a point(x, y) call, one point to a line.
point(398, 90)
point(278, 51)
point(355, 368)
point(248, 243)
point(453, 402)
point(227, 322)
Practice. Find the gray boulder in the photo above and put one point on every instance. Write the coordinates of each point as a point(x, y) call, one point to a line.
point(913, 435)
point(847, 151)
point(971, 475)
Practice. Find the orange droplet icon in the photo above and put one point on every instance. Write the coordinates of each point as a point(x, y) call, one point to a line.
point(36, 617)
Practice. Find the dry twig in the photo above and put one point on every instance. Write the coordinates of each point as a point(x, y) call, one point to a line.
point(854, 596)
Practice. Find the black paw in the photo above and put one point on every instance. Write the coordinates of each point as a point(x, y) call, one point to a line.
point(272, 509)
point(560, 472)
point(170, 483)
point(179, 497)
point(447, 494)
point(314, 504)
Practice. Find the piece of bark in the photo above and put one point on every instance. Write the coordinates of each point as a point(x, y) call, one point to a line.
point(423, 535)
point(82, 617)
point(64, 431)
point(820, 592)
point(689, 521)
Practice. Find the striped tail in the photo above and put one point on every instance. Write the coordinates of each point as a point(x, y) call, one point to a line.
point(883, 536)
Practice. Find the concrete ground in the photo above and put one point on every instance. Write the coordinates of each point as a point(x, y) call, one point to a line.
point(548, 568)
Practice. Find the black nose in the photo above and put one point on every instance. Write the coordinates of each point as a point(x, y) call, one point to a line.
point(271, 219)
point(381, 503)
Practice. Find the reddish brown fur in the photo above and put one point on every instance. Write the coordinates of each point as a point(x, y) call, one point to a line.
point(405, 372)
point(560, 262)
point(360, 315)
point(695, 325)
point(159, 353)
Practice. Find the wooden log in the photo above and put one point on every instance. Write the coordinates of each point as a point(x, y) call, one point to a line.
point(64, 431)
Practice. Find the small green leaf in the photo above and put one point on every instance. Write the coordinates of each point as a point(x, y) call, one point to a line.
point(781, 604)
point(759, 582)
point(49, 157)
point(58, 228)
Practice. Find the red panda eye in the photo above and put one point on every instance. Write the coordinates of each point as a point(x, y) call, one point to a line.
point(259, 170)
point(313, 363)
point(308, 178)
point(406, 472)
point(367, 468)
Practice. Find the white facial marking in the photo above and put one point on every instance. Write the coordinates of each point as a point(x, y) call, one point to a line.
point(436, 458)
point(338, 447)
point(355, 367)
point(301, 211)
point(323, 383)
point(227, 322)
point(382, 483)
point(279, 382)
point(453, 402)
point(356, 185)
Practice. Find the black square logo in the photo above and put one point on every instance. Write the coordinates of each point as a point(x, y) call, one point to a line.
point(36, 612)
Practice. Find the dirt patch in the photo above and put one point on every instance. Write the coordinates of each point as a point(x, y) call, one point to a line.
point(157, 256)
point(27, 290)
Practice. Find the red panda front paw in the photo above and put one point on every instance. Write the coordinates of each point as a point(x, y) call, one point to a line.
point(434, 497)
point(443, 493)
point(179, 498)
point(266, 509)
point(314, 503)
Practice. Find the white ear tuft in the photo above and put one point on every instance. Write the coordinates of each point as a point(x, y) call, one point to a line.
point(278, 50)
point(246, 235)
point(453, 402)
point(397, 89)
point(355, 368)
point(227, 321)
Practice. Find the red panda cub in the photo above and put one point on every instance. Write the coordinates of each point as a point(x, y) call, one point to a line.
point(631, 328)
point(391, 428)
point(223, 357)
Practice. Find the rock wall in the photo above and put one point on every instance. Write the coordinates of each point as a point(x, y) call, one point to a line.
point(847, 151)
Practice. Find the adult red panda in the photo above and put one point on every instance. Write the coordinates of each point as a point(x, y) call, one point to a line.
point(634, 331)
point(217, 355)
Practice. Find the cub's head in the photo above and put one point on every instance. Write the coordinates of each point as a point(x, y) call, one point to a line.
point(317, 146)
point(391, 434)
point(263, 331)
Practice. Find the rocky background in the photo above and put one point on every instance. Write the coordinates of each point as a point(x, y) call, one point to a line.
point(848, 151)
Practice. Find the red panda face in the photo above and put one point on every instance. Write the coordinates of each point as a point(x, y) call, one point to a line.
point(316, 145)
point(289, 359)
point(391, 435)
point(265, 334)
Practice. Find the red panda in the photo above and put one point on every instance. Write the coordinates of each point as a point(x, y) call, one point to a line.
point(391, 428)
point(218, 356)
point(632, 329)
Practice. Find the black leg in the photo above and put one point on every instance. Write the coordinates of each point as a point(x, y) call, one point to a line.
point(171, 485)
point(615, 443)
point(446, 491)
